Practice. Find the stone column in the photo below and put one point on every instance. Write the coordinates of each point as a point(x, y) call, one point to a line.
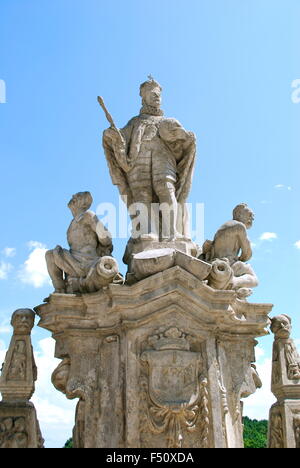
point(284, 420)
point(19, 427)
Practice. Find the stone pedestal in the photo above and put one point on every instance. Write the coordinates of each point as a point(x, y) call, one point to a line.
point(284, 419)
point(19, 427)
point(284, 424)
point(162, 363)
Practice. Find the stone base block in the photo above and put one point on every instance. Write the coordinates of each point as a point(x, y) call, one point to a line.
point(284, 424)
point(19, 427)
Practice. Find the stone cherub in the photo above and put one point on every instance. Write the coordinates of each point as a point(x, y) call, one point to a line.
point(88, 265)
point(151, 160)
point(228, 253)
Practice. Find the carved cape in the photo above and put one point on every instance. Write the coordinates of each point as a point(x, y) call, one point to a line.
point(122, 160)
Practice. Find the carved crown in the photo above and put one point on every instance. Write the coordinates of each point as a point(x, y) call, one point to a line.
point(172, 338)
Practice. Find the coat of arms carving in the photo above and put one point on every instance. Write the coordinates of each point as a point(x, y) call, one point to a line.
point(174, 394)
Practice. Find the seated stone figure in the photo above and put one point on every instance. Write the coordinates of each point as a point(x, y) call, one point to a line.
point(228, 253)
point(87, 266)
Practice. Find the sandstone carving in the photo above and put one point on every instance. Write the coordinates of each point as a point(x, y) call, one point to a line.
point(88, 265)
point(19, 370)
point(297, 430)
point(284, 414)
point(19, 427)
point(149, 262)
point(182, 357)
point(164, 359)
point(151, 160)
point(174, 394)
point(228, 253)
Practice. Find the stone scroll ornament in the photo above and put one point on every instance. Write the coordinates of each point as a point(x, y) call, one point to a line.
point(229, 252)
point(88, 266)
point(174, 394)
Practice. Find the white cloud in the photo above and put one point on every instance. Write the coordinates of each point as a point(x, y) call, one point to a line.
point(5, 268)
point(268, 236)
point(282, 186)
point(9, 251)
point(297, 244)
point(34, 270)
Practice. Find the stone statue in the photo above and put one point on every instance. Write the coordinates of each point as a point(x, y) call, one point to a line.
point(19, 370)
point(284, 414)
point(281, 327)
point(151, 160)
point(228, 253)
point(19, 427)
point(88, 265)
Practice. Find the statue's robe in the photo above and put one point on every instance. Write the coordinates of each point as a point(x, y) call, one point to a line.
point(145, 159)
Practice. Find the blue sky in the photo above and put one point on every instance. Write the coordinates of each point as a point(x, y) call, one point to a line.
point(226, 67)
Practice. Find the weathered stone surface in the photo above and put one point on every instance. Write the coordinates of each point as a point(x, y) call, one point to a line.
point(19, 370)
point(87, 266)
point(19, 427)
point(149, 262)
point(182, 357)
point(284, 420)
point(228, 253)
point(151, 160)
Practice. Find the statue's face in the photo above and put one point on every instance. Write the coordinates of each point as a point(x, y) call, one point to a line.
point(80, 201)
point(281, 327)
point(246, 217)
point(152, 97)
point(22, 323)
point(74, 204)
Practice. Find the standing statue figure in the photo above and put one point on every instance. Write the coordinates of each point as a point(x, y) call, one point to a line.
point(88, 265)
point(281, 326)
point(151, 160)
point(228, 253)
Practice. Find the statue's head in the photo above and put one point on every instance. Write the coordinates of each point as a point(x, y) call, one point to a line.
point(22, 321)
point(244, 214)
point(281, 326)
point(80, 202)
point(150, 92)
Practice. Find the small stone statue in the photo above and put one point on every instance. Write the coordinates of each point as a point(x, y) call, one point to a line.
point(19, 370)
point(228, 253)
point(281, 327)
point(88, 265)
point(284, 414)
point(19, 427)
